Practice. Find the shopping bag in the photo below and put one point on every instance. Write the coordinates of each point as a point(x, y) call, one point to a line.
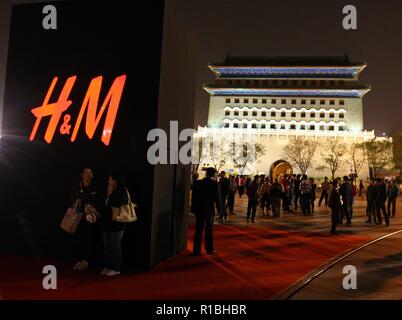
point(125, 213)
point(72, 218)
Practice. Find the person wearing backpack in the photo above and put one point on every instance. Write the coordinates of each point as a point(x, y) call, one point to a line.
point(393, 192)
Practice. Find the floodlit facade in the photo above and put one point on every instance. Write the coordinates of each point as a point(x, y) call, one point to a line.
point(277, 99)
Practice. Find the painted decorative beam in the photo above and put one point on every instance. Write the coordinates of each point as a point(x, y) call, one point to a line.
point(347, 93)
point(347, 72)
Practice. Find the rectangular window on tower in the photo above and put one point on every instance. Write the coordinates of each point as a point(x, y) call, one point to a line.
point(273, 101)
point(273, 114)
point(293, 101)
point(263, 114)
point(254, 113)
point(227, 113)
point(264, 101)
point(227, 100)
point(255, 101)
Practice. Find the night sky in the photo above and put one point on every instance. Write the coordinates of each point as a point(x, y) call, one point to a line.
point(305, 28)
point(298, 28)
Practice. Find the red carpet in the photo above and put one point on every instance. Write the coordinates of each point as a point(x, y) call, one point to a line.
point(251, 263)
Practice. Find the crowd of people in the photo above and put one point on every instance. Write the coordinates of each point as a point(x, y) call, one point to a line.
point(291, 193)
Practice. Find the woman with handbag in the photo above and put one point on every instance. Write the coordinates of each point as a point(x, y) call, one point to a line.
point(117, 199)
point(86, 198)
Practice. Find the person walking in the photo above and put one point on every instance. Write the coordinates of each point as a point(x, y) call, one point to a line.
point(324, 192)
point(380, 198)
point(335, 204)
point(252, 194)
point(393, 193)
point(204, 200)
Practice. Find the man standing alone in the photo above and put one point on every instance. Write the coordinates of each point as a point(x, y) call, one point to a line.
point(204, 198)
point(380, 197)
point(393, 193)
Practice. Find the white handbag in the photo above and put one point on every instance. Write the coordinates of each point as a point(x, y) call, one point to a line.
point(125, 213)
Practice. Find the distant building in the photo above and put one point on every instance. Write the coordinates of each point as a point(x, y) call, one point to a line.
point(275, 99)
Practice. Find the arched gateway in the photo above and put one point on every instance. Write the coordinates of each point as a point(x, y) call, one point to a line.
point(280, 168)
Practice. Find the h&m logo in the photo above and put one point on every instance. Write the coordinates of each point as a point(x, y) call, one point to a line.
point(89, 105)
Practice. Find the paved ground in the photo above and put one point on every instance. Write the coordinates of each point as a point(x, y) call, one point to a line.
point(379, 275)
point(253, 261)
point(319, 222)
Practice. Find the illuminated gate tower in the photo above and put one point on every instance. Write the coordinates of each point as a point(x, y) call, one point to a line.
point(277, 98)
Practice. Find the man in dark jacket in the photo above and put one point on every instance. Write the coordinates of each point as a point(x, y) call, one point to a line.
point(380, 197)
point(346, 192)
point(370, 210)
point(335, 204)
point(393, 193)
point(224, 187)
point(205, 197)
point(252, 194)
